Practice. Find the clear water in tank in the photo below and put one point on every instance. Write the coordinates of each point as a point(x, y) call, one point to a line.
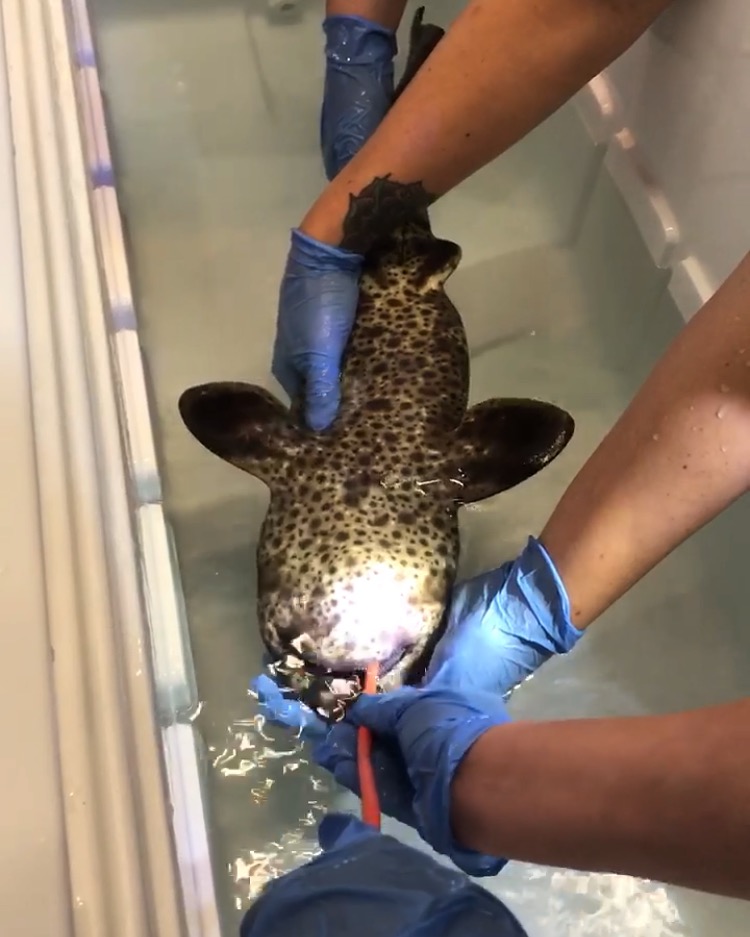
point(214, 115)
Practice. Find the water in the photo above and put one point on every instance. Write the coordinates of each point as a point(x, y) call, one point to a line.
point(214, 109)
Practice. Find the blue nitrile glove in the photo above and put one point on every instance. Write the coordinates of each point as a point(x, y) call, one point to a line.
point(317, 305)
point(358, 86)
point(370, 884)
point(420, 736)
point(280, 708)
point(502, 626)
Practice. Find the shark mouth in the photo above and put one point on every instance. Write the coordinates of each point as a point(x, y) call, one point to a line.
point(327, 692)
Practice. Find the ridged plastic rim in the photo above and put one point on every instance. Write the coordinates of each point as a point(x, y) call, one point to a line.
point(136, 835)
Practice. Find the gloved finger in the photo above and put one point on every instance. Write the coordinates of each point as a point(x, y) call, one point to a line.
point(322, 391)
point(380, 712)
point(284, 371)
point(283, 710)
point(338, 755)
point(337, 747)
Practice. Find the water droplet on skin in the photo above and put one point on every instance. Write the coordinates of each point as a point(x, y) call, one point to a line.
point(720, 413)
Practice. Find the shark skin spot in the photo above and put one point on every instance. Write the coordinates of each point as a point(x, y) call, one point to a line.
point(358, 550)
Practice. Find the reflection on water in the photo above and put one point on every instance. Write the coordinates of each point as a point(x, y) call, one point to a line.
point(270, 772)
point(248, 756)
point(579, 905)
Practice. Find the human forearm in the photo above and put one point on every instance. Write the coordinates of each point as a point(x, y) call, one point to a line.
point(387, 13)
point(663, 797)
point(501, 69)
point(676, 458)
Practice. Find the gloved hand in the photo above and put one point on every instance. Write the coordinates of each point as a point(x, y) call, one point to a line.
point(372, 885)
point(280, 708)
point(420, 737)
point(358, 86)
point(317, 306)
point(502, 626)
point(320, 288)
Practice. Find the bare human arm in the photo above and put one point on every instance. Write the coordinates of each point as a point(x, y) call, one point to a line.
point(500, 70)
point(677, 457)
point(662, 797)
point(680, 453)
point(386, 13)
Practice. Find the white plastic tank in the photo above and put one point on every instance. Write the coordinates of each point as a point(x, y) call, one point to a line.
point(105, 818)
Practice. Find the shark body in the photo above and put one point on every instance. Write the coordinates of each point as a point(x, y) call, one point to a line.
point(358, 551)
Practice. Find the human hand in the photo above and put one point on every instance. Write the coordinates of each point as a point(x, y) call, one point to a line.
point(358, 86)
point(369, 883)
point(320, 288)
point(281, 709)
point(420, 737)
point(317, 305)
point(502, 626)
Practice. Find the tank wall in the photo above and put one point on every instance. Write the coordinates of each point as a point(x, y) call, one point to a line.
point(673, 112)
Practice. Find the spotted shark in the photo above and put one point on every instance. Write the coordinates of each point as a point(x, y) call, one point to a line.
point(358, 550)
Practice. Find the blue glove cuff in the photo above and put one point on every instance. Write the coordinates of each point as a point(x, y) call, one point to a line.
point(474, 863)
point(442, 746)
point(354, 40)
point(535, 577)
point(322, 258)
point(503, 625)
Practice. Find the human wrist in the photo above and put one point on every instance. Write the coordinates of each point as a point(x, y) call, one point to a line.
point(325, 219)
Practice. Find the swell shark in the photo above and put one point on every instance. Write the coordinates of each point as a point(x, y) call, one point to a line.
point(358, 551)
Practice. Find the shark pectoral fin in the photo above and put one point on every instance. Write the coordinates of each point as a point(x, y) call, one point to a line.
point(502, 442)
point(242, 424)
point(439, 259)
